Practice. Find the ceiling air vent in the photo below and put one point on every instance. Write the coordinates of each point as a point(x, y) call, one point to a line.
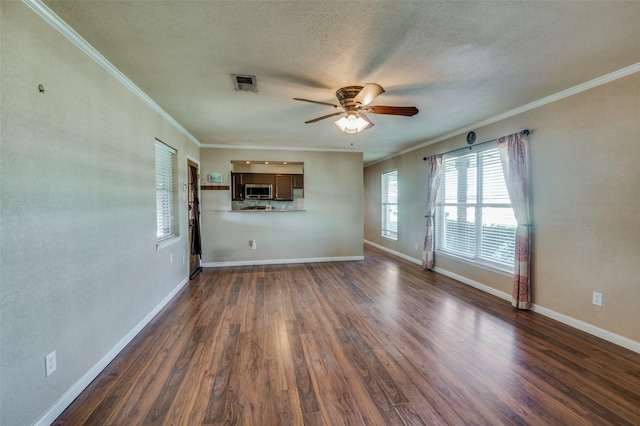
point(244, 82)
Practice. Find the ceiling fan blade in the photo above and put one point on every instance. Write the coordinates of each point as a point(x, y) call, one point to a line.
point(392, 110)
point(323, 117)
point(317, 102)
point(369, 92)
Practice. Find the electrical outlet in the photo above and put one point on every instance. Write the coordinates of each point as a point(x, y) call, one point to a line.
point(170, 257)
point(597, 298)
point(50, 363)
point(416, 246)
point(253, 245)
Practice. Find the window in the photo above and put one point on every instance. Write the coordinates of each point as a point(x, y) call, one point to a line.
point(166, 199)
point(390, 204)
point(474, 218)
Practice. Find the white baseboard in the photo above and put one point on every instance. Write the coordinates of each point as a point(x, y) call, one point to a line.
point(81, 384)
point(616, 339)
point(395, 253)
point(72, 393)
point(475, 284)
point(280, 261)
point(625, 342)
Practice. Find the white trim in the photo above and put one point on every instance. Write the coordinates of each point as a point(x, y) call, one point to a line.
point(625, 342)
point(81, 384)
point(616, 339)
point(74, 391)
point(278, 148)
point(167, 242)
point(63, 28)
point(607, 78)
point(193, 160)
point(485, 266)
point(395, 253)
point(475, 284)
point(280, 261)
point(54, 20)
point(197, 163)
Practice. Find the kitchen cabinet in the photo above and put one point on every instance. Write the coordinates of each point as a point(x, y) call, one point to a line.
point(283, 185)
point(284, 188)
point(237, 187)
point(238, 180)
point(262, 178)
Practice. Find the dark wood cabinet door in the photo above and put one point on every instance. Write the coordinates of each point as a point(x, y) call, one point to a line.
point(261, 178)
point(284, 188)
point(283, 184)
point(237, 187)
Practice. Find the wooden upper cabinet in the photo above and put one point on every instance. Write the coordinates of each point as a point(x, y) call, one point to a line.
point(284, 188)
point(283, 185)
point(263, 178)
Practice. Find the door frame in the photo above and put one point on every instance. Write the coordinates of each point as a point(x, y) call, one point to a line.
point(192, 161)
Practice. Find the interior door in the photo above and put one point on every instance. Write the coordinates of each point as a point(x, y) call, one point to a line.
point(195, 243)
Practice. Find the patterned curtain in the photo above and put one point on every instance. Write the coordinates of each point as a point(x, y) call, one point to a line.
point(433, 183)
point(513, 155)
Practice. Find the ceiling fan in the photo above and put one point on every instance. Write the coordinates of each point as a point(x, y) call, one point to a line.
point(354, 102)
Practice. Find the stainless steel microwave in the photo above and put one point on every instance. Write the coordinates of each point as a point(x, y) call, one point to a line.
point(258, 191)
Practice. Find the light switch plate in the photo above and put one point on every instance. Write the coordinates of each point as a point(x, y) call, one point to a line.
point(597, 298)
point(50, 363)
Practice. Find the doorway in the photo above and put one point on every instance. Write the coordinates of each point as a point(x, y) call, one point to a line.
point(195, 242)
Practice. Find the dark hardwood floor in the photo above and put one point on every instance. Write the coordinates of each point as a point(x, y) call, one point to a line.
point(362, 343)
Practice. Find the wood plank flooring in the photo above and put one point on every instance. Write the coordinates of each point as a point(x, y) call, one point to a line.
point(377, 342)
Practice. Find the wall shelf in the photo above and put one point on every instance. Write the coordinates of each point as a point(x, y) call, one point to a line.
point(215, 187)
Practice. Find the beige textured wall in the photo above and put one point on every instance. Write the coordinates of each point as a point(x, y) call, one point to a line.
point(331, 224)
point(585, 156)
point(78, 261)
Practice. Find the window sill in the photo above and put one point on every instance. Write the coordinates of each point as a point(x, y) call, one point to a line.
point(387, 237)
point(166, 243)
point(484, 266)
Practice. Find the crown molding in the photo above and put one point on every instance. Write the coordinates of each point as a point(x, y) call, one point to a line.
point(63, 28)
point(279, 148)
point(599, 81)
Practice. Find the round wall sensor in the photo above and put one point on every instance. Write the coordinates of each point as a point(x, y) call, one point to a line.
point(471, 137)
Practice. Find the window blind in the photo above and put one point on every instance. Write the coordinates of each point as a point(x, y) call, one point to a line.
point(390, 204)
point(474, 218)
point(166, 200)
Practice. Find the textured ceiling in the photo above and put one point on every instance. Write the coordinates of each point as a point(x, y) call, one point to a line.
point(458, 62)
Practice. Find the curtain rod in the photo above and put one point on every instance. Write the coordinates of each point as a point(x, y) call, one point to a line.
point(524, 132)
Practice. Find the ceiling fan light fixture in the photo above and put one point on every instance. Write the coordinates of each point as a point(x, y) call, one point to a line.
point(352, 123)
point(354, 101)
